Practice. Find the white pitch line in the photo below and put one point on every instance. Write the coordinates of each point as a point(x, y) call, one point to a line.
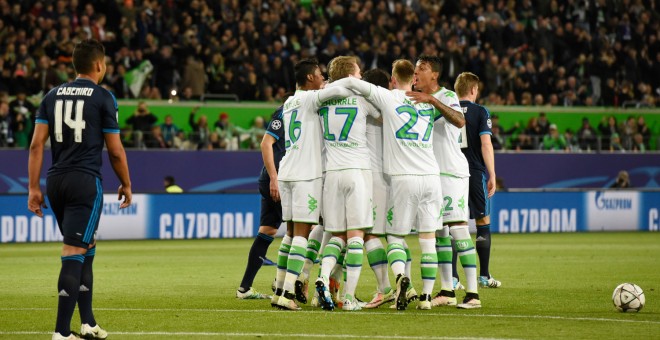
point(364, 313)
point(280, 335)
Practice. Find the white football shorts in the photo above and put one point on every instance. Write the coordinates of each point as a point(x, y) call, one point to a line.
point(301, 200)
point(414, 200)
point(347, 200)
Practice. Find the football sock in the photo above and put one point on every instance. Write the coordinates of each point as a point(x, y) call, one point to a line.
point(68, 287)
point(467, 255)
point(295, 262)
point(396, 254)
point(282, 259)
point(454, 258)
point(331, 255)
point(428, 264)
point(408, 259)
point(443, 249)
point(255, 259)
point(354, 255)
point(483, 249)
point(378, 262)
point(313, 247)
point(86, 285)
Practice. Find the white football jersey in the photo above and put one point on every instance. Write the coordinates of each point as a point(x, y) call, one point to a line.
point(448, 139)
point(375, 144)
point(407, 133)
point(344, 123)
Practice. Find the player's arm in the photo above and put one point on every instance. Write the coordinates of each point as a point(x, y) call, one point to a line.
point(455, 117)
point(489, 160)
point(35, 162)
point(333, 92)
point(119, 164)
point(269, 162)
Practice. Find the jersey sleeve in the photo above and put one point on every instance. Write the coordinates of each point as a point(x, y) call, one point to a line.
point(369, 108)
point(42, 113)
point(110, 114)
point(485, 124)
point(275, 127)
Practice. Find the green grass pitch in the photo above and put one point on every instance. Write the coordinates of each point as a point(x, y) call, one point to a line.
point(555, 286)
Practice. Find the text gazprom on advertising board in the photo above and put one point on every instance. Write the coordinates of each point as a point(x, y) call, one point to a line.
point(605, 210)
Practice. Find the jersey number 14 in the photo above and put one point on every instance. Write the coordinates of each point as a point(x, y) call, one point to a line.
point(77, 124)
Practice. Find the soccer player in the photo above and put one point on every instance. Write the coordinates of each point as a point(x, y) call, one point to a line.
point(454, 174)
point(347, 187)
point(78, 117)
point(481, 158)
point(376, 255)
point(272, 151)
point(415, 196)
point(300, 171)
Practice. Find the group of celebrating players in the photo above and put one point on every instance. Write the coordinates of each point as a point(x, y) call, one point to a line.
point(375, 158)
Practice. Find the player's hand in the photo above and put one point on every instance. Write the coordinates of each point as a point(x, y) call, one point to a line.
point(491, 185)
point(36, 202)
point(126, 193)
point(419, 97)
point(274, 191)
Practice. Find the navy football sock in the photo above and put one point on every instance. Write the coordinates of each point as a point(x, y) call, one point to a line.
point(86, 285)
point(68, 287)
point(483, 249)
point(257, 252)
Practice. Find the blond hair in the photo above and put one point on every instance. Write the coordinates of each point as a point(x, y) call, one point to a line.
point(403, 70)
point(464, 83)
point(341, 67)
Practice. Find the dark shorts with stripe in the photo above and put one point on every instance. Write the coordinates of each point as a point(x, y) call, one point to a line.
point(77, 200)
point(271, 211)
point(478, 198)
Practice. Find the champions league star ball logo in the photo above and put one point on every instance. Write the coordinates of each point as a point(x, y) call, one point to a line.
point(276, 125)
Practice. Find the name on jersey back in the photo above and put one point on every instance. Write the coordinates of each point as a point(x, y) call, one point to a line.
point(75, 91)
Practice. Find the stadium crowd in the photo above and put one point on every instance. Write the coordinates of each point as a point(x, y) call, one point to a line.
point(536, 53)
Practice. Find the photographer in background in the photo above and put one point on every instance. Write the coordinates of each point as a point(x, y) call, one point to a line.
point(622, 180)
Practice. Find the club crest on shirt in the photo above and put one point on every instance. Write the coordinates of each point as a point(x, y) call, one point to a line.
point(276, 125)
point(489, 123)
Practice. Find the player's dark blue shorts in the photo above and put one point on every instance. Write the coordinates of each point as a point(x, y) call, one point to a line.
point(478, 198)
point(271, 211)
point(77, 200)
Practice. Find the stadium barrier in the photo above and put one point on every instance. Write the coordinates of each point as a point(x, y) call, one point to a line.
point(202, 216)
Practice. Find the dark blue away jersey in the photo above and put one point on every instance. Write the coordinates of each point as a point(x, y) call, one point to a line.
point(275, 129)
point(477, 121)
point(78, 115)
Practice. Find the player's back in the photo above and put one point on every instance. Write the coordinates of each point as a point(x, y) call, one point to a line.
point(303, 134)
point(477, 121)
point(344, 122)
point(407, 137)
point(78, 113)
point(448, 139)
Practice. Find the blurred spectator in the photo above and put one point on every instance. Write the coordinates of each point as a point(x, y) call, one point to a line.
point(194, 77)
point(44, 78)
point(522, 142)
point(256, 132)
point(169, 131)
point(141, 121)
point(6, 133)
point(156, 141)
point(615, 143)
point(200, 130)
point(571, 140)
point(496, 138)
point(638, 143)
point(554, 140)
point(586, 136)
point(622, 180)
point(627, 131)
point(543, 124)
point(643, 129)
point(607, 128)
point(227, 133)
